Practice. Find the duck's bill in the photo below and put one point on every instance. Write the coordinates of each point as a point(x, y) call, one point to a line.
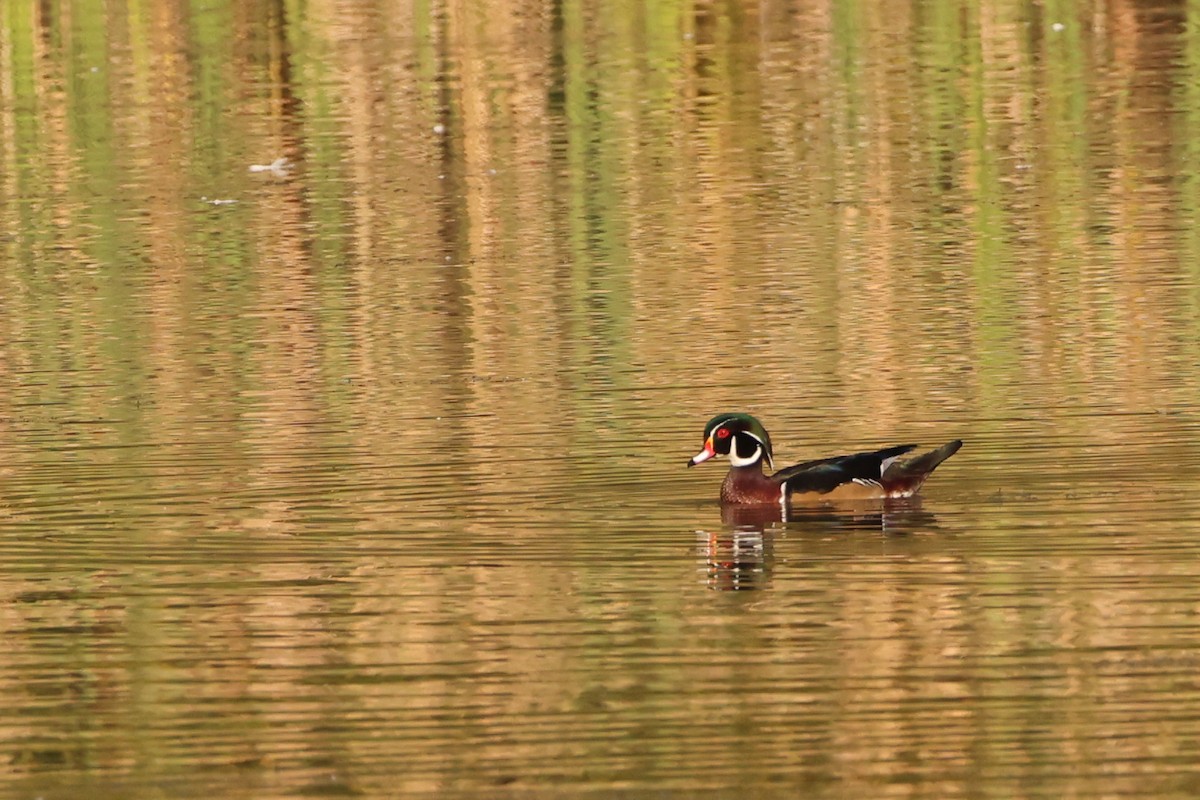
point(704, 455)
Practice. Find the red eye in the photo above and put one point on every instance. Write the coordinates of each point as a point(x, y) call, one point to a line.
point(723, 433)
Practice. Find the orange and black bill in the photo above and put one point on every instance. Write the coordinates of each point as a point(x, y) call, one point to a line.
point(704, 455)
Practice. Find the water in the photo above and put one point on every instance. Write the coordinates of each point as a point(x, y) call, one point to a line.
point(364, 474)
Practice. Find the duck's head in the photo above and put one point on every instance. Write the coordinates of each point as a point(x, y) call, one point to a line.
point(739, 436)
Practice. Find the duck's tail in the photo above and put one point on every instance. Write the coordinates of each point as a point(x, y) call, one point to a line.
point(903, 478)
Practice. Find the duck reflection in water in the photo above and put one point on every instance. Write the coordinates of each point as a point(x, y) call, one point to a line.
point(738, 559)
point(741, 557)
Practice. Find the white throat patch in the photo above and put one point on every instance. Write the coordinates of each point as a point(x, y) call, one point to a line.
point(758, 453)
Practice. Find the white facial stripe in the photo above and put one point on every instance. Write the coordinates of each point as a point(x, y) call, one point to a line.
point(738, 461)
point(762, 446)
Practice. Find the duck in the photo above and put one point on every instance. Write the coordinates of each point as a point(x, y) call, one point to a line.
point(870, 475)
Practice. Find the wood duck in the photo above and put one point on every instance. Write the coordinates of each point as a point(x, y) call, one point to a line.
point(874, 474)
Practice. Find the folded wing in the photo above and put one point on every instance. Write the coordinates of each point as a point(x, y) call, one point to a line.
point(823, 475)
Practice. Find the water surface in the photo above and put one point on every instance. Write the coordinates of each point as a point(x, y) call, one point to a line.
point(363, 474)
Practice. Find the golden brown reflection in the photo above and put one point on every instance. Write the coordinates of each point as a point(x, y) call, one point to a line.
point(388, 442)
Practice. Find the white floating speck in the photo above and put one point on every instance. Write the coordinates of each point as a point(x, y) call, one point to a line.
point(280, 166)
